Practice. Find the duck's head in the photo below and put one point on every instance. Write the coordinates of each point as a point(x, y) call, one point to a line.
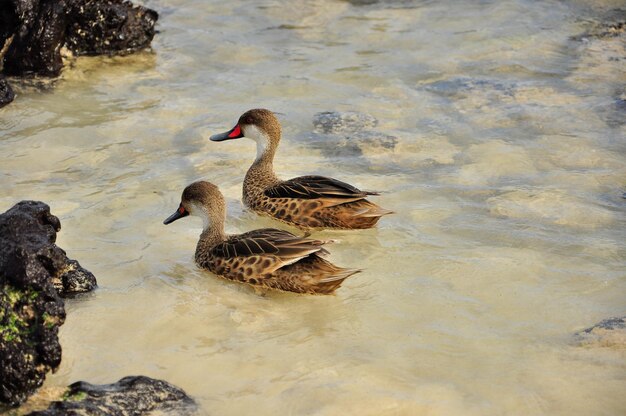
point(201, 199)
point(259, 124)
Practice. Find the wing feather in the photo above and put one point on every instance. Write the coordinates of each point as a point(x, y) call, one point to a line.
point(314, 187)
point(282, 247)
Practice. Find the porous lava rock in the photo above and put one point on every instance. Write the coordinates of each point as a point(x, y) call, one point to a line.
point(105, 27)
point(39, 31)
point(34, 271)
point(30, 228)
point(133, 395)
point(34, 31)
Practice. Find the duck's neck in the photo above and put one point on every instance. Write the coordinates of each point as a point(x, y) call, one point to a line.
point(261, 173)
point(212, 234)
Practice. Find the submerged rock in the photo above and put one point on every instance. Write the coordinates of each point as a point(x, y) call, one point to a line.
point(551, 206)
point(608, 333)
point(611, 24)
point(463, 86)
point(6, 92)
point(602, 53)
point(339, 122)
point(346, 134)
point(353, 144)
point(33, 273)
point(134, 395)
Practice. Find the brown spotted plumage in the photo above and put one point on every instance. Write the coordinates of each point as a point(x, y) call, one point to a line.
point(307, 202)
point(267, 257)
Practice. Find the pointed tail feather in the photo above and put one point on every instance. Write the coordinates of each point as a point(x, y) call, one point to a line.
point(329, 284)
point(378, 212)
point(342, 274)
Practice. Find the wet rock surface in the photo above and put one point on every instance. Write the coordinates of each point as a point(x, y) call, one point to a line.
point(134, 395)
point(346, 134)
point(40, 31)
point(31, 310)
point(30, 228)
point(607, 333)
point(105, 27)
point(6, 92)
point(33, 273)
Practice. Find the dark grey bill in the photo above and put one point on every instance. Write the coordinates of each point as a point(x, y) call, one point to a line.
point(180, 213)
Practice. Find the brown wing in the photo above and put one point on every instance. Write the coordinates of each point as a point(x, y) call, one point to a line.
point(278, 246)
point(315, 187)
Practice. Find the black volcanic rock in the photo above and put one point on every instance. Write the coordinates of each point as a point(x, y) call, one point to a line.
point(6, 92)
point(36, 45)
point(30, 308)
point(133, 395)
point(38, 29)
point(29, 227)
point(107, 27)
point(33, 273)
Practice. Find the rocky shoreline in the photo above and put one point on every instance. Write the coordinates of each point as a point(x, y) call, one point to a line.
point(35, 274)
point(35, 277)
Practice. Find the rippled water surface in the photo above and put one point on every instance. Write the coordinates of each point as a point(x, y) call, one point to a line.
point(506, 175)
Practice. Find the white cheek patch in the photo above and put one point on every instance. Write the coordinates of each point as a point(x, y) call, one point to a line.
point(261, 139)
point(198, 210)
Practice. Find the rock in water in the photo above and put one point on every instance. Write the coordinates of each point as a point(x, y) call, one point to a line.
point(107, 27)
point(6, 92)
point(608, 333)
point(40, 28)
point(29, 227)
point(33, 272)
point(36, 46)
point(338, 122)
point(348, 134)
point(30, 308)
point(134, 395)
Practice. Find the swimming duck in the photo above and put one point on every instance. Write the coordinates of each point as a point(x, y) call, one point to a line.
point(307, 202)
point(266, 257)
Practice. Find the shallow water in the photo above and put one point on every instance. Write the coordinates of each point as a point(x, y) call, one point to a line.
point(506, 176)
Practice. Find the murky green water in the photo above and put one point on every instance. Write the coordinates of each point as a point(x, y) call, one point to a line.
point(507, 178)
